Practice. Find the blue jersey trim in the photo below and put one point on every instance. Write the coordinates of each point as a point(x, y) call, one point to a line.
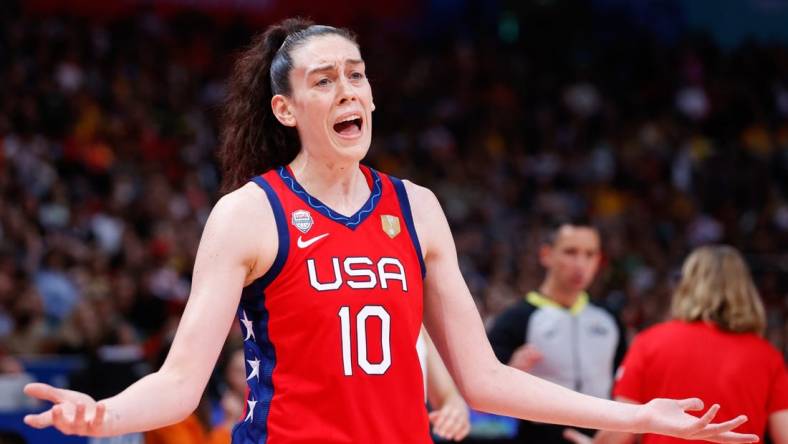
point(281, 229)
point(404, 204)
point(252, 306)
point(349, 221)
point(261, 389)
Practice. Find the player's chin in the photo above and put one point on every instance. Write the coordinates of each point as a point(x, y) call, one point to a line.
point(355, 152)
point(580, 284)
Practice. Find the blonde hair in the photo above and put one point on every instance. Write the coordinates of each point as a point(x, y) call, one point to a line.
point(716, 286)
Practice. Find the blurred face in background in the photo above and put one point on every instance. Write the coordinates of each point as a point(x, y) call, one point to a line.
point(331, 100)
point(235, 372)
point(572, 260)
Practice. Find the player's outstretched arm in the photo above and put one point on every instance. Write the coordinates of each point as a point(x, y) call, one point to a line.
point(602, 436)
point(456, 329)
point(227, 253)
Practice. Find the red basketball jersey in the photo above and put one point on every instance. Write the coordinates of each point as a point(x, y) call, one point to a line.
point(330, 331)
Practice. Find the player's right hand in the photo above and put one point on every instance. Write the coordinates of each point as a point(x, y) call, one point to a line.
point(525, 357)
point(73, 413)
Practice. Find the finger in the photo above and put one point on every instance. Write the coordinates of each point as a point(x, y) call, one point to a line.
point(43, 391)
point(450, 424)
point(440, 432)
point(442, 426)
point(707, 417)
point(98, 417)
point(79, 418)
point(59, 421)
point(435, 417)
point(452, 428)
point(576, 437)
point(464, 431)
point(443, 420)
point(732, 437)
point(445, 433)
point(460, 430)
point(722, 427)
point(40, 420)
point(691, 404)
point(726, 426)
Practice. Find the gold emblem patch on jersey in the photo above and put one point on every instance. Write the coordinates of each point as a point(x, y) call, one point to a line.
point(390, 225)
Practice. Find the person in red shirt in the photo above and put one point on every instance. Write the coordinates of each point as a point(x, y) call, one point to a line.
point(328, 266)
point(714, 338)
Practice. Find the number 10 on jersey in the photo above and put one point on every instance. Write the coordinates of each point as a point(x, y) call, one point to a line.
point(361, 342)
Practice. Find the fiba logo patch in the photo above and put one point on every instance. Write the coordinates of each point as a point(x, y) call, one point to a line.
point(390, 225)
point(302, 220)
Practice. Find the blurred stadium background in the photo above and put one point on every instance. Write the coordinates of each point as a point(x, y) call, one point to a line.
point(665, 121)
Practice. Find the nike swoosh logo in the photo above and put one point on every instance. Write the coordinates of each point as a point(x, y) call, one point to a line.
point(305, 243)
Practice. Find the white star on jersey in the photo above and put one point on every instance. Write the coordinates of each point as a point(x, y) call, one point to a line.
point(250, 415)
point(248, 325)
point(255, 364)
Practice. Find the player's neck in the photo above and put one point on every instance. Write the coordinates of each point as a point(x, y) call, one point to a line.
point(562, 296)
point(341, 186)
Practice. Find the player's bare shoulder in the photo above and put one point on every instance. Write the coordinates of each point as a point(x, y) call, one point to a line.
point(247, 205)
point(243, 220)
point(427, 213)
point(422, 200)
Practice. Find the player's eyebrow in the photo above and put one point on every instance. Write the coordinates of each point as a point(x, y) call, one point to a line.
point(330, 66)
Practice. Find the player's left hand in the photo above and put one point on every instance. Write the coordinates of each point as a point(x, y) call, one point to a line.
point(670, 417)
point(452, 421)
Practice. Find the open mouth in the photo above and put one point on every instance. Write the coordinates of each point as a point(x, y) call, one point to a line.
point(349, 126)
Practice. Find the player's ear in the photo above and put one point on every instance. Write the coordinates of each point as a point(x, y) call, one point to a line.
point(282, 109)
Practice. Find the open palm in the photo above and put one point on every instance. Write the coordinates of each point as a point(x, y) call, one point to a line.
point(670, 417)
point(73, 413)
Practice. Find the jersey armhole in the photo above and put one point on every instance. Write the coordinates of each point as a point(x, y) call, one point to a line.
point(282, 232)
point(404, 204)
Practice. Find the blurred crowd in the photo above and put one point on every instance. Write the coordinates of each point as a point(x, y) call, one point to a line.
point(107, 171)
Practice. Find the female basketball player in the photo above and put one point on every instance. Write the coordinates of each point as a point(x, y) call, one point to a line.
point(326, 263)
